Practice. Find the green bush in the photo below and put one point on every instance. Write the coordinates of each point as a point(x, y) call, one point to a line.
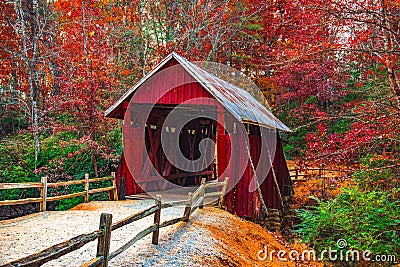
point(17, 161)
point(340, 126)
point(366, 220)
point(63, 157)
point(375, 175)
point(296, 144)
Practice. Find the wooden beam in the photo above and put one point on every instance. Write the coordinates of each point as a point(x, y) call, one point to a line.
point(157, 216)
point(173, 221)
point(20, 185)
point(103, 245)
point(202, 193)
point(213, 194)
point(196, 205)
point(215, 184)
point(179, 175)
point(86, 198)
point(114, 185)
point(99, 190)
point(56, 251)
point(92, 180)
point(43, 194)
point(135, 217)
point(198, 191)
point(188, 208)
point(174, 203)
point(144, 179)
point(20, 201)
point(49, 199)
point(66, 183)
point(121, 192)
point(224, 187)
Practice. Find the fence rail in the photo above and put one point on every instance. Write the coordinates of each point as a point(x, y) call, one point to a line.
point(298, 174)
point(44, 186)
point(103, 235)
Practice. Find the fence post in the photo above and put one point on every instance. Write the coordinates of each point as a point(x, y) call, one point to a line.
point(86, 197)
point(203, 191)
point(157, 216)
point(322, 177)
point(121, 192)
point(103, 245)
point(43, 194)
point(188, 207)
point(215, 170)
point(114, 184)
point(221, 198)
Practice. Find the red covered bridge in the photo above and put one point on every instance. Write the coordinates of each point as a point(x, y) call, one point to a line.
point(167, 117)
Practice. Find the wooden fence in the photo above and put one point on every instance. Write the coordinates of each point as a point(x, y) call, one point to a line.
point(299, 175)
point(103, 234)
point(43, 186)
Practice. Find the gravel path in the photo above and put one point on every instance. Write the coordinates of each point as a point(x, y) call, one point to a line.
point(212, 237)
point(26, 235)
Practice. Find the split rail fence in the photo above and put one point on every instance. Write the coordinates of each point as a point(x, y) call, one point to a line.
point(299, 175)
point(43, 186)
point(103, 234)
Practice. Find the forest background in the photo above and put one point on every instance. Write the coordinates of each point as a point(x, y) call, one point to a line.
point(328, 68)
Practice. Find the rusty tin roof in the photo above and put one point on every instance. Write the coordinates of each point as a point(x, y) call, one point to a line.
point(241, 104)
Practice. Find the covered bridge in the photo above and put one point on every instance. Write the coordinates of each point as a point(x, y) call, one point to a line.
point(173, 117)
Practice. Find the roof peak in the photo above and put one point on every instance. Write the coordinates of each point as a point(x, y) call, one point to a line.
point(241, 104)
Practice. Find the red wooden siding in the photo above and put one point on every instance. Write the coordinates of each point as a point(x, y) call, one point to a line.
point(173, 86)
point(240, 200)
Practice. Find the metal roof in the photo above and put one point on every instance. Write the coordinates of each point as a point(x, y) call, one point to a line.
point(241, 104)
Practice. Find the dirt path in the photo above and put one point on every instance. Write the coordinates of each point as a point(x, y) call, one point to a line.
point(212, 237)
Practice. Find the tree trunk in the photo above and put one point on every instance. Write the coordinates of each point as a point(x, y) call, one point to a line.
point(29, 44)
point(394, 84)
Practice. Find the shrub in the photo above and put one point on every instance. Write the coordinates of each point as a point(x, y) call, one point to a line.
point(64, 156)
point(366, 220)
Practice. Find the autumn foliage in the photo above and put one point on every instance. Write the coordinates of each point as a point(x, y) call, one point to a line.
point(329, 70)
